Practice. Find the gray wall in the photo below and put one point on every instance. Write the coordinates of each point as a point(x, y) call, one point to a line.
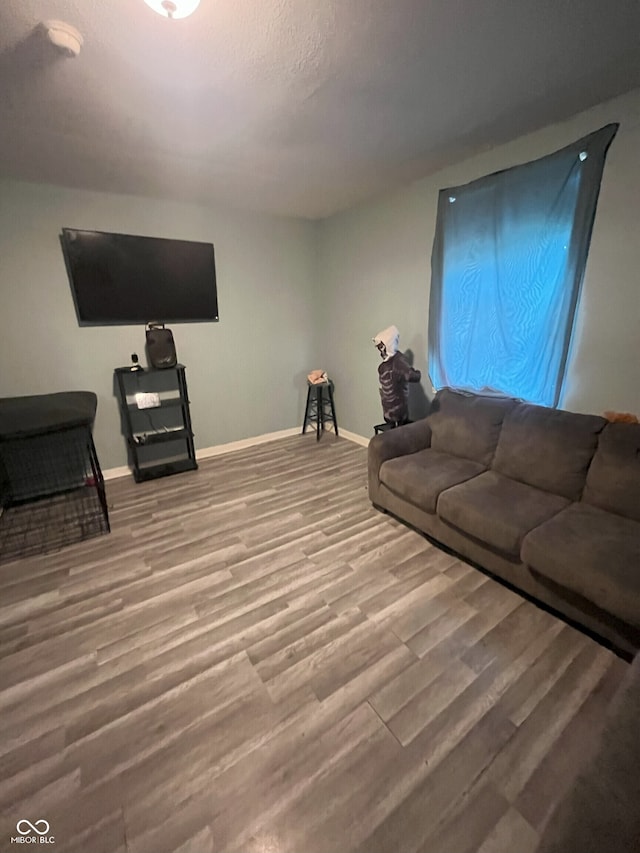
point(246, 374)
point(298, 295)
point(375, 270)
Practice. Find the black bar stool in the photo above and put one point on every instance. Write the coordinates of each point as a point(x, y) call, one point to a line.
point(320, 407)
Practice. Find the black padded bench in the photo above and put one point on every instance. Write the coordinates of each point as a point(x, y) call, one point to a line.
point(51, 485)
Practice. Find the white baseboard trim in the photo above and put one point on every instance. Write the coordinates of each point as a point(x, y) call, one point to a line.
point(230, 446)
point(243, 443)
point(353, 436)
point(115, 473)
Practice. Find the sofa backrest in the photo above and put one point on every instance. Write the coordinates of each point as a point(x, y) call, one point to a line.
point(548, 448)
point(613, 481)
point(467, 425)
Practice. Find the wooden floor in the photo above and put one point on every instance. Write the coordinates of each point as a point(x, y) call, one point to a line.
point(257, 660)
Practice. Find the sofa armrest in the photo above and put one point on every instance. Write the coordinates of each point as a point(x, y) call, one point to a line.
point(392, 443)
point(600, 812)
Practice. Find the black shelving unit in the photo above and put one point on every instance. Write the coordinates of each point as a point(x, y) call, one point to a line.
point(159, 437)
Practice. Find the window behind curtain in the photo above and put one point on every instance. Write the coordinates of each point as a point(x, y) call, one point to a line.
point(508, 260)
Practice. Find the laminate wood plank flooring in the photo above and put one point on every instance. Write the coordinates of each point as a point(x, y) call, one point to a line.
point(257, 660)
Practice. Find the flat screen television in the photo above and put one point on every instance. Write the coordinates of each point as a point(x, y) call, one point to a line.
point(120, 279)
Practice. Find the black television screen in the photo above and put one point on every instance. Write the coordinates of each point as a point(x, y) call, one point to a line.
point(123, 279)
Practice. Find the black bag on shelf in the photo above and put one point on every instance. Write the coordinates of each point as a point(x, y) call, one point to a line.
point(161, 348)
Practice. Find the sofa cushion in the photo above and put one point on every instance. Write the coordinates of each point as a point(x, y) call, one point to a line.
point(467, 425)
point(593, 553)
point(613, 481)
point(547, 448)
point(420, 477)
point(497, 511)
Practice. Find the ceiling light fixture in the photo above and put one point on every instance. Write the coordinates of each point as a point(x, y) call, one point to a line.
point(173, 8)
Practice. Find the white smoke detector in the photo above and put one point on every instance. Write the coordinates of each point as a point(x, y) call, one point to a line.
point(64, 37)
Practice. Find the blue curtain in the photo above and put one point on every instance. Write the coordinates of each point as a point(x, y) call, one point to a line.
point(507, 265)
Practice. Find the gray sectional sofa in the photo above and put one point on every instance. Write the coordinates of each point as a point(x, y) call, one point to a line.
point(548, 500)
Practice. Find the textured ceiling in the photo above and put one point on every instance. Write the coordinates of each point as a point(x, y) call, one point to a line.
point(299, 107)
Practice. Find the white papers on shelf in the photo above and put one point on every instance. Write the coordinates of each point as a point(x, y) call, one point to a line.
point(146, 400)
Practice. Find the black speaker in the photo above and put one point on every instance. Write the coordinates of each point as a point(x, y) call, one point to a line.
point(161, 349)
